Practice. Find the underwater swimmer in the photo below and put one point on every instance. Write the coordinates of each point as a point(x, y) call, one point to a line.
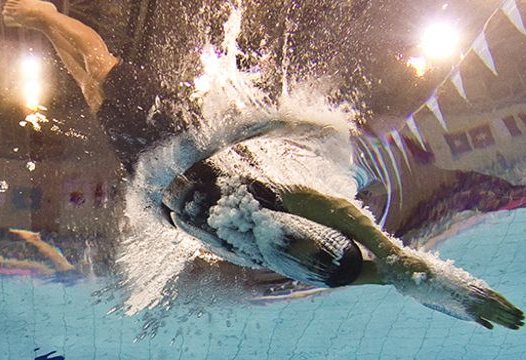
point(236, 217)
point(126, 103)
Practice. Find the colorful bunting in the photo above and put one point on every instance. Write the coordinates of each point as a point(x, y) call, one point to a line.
point(481, 137)
point(458, 143)
point(456, 79)
point(511, 125)
point(481, 48)
point(512, 12)
point(433, 105)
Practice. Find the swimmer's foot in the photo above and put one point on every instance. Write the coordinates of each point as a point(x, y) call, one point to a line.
point(26, 13)
point(490, 307)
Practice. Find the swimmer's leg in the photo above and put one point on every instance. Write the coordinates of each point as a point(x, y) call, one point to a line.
point(59, 261)
point(82, 50)
point(429, 280)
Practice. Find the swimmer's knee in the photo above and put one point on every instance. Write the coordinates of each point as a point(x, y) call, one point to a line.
point(99, 65)
point(349, 269)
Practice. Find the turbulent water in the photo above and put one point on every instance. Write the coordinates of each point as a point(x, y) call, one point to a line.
point(301, 139)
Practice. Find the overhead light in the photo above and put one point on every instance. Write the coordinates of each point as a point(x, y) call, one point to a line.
point(440, 40)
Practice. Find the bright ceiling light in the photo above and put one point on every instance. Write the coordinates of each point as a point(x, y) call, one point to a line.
point(440, 41)
point(32, 93)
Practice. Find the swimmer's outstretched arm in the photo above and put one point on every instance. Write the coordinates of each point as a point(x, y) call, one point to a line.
point(26, 265)
point(434, 283)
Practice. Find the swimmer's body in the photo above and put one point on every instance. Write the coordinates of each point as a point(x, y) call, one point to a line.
point(94, 68)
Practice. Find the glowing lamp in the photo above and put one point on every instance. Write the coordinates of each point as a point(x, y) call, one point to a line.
point(32, 92)
point(439, 41)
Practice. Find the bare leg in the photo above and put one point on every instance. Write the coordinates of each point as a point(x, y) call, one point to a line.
point(82, 50)
point(441, 286)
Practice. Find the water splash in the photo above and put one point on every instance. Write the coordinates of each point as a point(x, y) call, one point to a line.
point(233, 108)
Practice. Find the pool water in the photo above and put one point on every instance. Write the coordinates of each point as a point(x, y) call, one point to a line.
point(465, 115)
point(367, 322)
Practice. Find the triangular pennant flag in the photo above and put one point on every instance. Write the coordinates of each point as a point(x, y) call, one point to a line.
point(456, 79)
point(512, 12)
point(433, 105)
point(411, 124)
point(481, 48)
point(400, 145)
point(367, 159)
point(395, 166)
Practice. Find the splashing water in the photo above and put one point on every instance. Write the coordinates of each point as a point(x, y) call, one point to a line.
point(233, 108)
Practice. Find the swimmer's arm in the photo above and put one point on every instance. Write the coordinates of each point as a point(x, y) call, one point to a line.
point(341, 215)
point(58, 260)
point(26, 265)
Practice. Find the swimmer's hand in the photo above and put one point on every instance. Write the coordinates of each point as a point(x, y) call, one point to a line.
point(433, 282)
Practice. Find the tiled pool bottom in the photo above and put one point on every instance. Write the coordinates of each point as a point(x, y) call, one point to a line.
point(353, 323)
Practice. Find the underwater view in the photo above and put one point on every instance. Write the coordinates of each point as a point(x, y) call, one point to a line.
point(253, 179)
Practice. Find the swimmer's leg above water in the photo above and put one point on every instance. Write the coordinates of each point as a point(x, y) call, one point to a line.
point(125, 98)
point(82, 50)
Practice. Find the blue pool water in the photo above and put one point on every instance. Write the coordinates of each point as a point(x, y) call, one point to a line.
point(363, 322)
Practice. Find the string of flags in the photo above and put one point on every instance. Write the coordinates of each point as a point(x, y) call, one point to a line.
point(482, 50)
point(373, 146)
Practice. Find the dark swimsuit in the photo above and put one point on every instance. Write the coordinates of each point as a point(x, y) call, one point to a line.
point(132, 113)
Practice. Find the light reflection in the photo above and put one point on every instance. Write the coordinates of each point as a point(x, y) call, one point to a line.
point(419, 64)
point(35, 119)
point(31, 68)
point(4, 186)
point(31, 76)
